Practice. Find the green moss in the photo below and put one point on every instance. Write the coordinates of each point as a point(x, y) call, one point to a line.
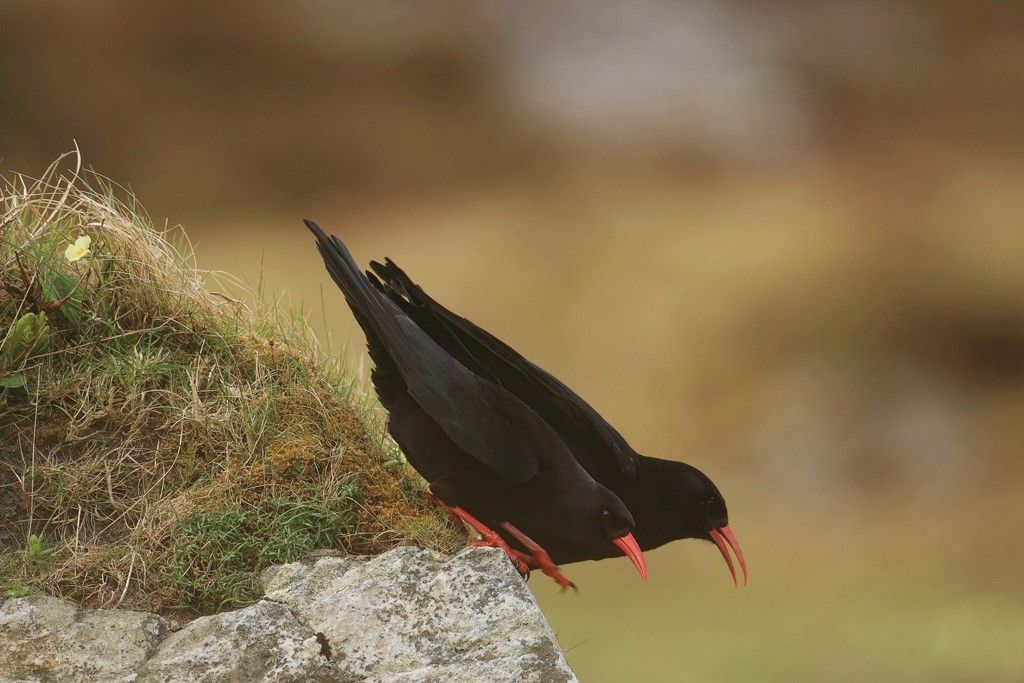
point(218, 554)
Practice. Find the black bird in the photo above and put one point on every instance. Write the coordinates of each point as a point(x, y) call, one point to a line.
point(669, 500)
point(490, 458)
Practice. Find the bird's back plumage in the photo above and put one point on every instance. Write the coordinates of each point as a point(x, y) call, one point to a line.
point(594, 442)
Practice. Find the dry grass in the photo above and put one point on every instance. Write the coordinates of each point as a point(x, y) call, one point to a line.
point(145, 421)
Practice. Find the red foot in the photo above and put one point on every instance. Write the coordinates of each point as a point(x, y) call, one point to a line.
point(537, 557)
point(488, 537)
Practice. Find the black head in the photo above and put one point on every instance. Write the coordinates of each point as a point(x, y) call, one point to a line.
point(615, 518)
point(673, 500)
point(606, 520)
point(703, 504)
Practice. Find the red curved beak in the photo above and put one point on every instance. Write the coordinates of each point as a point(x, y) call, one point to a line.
point(631, 549)
point(725, 539)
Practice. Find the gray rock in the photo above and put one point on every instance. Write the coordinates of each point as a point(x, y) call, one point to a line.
point(407, 616)
point(412, 615)
point(47, 639)
point(263, 642)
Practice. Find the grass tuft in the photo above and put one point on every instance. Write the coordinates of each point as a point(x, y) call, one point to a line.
point(215, 551)
point(161, 444)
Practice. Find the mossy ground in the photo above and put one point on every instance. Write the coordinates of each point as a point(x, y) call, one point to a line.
point(160, 444)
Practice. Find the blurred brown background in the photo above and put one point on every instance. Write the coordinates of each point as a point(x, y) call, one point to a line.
point(781, 241)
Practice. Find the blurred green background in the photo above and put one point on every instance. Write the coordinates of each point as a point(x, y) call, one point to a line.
point(781, 241)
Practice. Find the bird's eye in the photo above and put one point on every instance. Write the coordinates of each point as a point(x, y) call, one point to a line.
point(606, 514)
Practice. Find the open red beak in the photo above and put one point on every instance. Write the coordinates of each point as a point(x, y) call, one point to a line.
point(629, 547)
point(725, 539)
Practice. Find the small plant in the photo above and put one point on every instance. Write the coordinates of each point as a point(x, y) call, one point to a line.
point(20, 591)
point(28, 333)
point(35, 551)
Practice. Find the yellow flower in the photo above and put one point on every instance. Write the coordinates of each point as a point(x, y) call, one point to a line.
point(78, 250)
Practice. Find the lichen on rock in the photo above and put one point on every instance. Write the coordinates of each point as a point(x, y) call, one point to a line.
point(263, 642)
point(48, 639)
point(411, 614)
point(407, 616)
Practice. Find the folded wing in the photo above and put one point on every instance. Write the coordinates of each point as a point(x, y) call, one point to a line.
point(596, 444)
point(483, 419)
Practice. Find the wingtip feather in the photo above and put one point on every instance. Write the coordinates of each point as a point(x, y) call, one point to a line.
point(314, 228)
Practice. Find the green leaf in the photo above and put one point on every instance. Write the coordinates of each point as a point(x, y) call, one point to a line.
point(30, 332)
point(59, 286)
point(15, 380)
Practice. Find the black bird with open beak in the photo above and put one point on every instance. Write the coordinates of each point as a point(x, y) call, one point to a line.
point(489, 458)
point(669, 500)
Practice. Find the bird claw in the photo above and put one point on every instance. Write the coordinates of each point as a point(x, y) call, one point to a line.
point(488, 537)
point(538, 558)
point(513, 555)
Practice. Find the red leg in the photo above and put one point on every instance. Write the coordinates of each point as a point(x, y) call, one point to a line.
point(488, 537)
point(538, 557)
point(452, 517)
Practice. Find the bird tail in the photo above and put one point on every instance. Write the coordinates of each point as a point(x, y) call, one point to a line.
point(396, 284)
point(374, 312)
point(344, 271)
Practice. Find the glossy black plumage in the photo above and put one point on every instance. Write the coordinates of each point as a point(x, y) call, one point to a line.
point(478, 444)
point(669, 500)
